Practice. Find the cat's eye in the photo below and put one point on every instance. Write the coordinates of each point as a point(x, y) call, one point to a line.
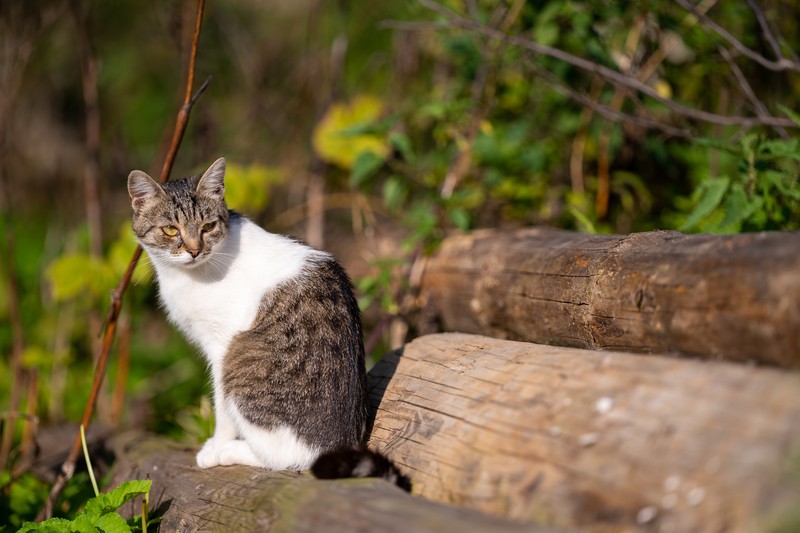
point(208, 226)
point(170, 230)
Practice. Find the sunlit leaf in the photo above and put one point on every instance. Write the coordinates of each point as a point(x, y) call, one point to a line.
point(51, 525)
point(337, 139)
point(73, 275)
point(247, 188)
point(36, 357)
point(114, 499)
point(112, 523)
point(663, 88)
point(120, 253)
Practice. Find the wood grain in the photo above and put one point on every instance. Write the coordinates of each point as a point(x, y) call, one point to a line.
point(734, 297)
point(596, 441)
point(241, 499)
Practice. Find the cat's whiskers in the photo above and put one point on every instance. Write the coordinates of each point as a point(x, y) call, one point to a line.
point(214, 263)
point(150, 273)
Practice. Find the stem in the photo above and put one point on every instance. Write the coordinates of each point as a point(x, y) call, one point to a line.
point(88, 461)
point(109, 331)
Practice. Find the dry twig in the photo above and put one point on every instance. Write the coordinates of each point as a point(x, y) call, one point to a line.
point(110, 326)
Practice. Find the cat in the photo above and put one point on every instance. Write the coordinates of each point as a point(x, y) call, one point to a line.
point(275, 319)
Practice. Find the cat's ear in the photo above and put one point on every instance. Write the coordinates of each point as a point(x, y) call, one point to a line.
point(212, 183)
point(142, 188)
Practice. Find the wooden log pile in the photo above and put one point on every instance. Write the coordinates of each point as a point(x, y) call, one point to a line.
point(546, 434)
point(597, 441)
point(734, 297)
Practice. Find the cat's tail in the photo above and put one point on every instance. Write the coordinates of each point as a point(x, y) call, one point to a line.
point(358, 462)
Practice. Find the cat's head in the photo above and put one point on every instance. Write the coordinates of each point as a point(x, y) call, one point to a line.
point(181, 222)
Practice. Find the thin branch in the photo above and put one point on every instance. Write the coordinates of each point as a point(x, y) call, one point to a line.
point(614, 115)
point(758, 105)
point(89, 68)
point(68, 467)
point(767, 31)
point(18, 342)
point(612, 76)
point(780, 65)
point(410, 25)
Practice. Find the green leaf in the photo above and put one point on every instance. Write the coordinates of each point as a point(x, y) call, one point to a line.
point(782, 181)
point(546, 34)
point(780, 148)
point(81, 524)
point(395, 192)
point(434, 110)
point(247, 188)
point(53, 524)
point(84, 523)
point(342, 134)
point(460, 218)
point(711, 193)
point(120, 253)
point(737, 208)
point(365, 165)
point(72, 275)
point(546, 30)
point(421, 218)
point(402, 144)
point(790, 113)
point(584, 222)
point(35, 356)
point(112, 523)
point(113, 500)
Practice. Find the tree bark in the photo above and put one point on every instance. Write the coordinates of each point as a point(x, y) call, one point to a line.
point(597, 441)
point(241, 498)
point(734, 297)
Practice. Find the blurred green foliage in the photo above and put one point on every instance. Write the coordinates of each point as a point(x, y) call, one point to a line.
point(425, 128)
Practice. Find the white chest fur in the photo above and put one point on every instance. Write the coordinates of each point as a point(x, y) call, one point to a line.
point(214, 301)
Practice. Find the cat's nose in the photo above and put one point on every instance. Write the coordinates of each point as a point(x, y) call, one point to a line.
point(194, 251)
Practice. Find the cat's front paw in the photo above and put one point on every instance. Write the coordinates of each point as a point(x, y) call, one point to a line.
point(237, 452)
point(217, 452)
point(208, 455)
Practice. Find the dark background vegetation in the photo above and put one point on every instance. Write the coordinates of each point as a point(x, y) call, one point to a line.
point(372, 129)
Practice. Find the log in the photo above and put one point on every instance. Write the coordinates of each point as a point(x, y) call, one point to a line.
point(241, 498)
point(735, 297)
point(598, 441)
